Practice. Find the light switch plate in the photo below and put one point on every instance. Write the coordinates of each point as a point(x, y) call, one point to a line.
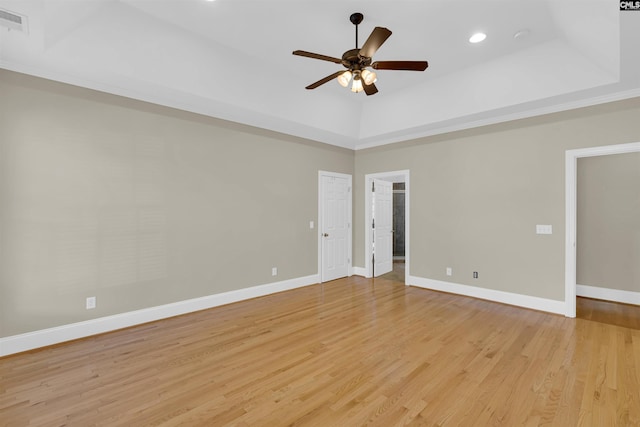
point(544, 229)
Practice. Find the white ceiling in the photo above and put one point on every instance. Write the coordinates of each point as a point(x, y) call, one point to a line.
point(232, 59)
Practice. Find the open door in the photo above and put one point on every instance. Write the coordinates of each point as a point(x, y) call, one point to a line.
point(382, 226)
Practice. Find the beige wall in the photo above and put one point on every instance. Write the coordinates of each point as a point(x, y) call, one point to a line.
point(141, 205)
point(477, 195)
point(608, 226)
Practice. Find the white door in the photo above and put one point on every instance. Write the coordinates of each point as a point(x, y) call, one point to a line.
point(335, 226)
point(382, 227)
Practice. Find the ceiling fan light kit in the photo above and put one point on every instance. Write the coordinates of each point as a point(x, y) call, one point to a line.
point(357, 86)
point(369, 77)
point(344, 78)
point(358, 60)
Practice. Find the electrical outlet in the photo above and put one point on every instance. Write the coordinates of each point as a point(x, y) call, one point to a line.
point(449, 271)
point(475, 274)
point(274, 271)
point(90, 303)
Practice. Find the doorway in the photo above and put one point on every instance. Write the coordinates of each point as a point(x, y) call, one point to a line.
point(398, 222)
point(397, 272)
point(394, 177)
point(571, 166)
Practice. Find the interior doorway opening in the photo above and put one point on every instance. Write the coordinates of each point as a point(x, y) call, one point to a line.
point(398, 222)
point(571, 165)
point(401, 224)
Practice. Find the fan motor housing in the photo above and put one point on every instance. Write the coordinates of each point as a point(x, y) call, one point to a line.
point(352, 60)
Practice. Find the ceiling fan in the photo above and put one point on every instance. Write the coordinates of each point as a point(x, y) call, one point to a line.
point(357, 61)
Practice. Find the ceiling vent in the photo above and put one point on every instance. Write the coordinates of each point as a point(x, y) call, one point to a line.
point(13, 21)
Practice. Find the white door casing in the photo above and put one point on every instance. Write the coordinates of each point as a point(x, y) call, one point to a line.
point(382, 210)
point(334, 226)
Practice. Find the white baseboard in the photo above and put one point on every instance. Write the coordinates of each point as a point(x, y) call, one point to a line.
point(616, 295)
point(525, 301)
point(45, 337)
point(360, 271)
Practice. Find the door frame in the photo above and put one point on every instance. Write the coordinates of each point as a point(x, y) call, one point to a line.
point(392, 176)
point(321, 220)
point(571, 207)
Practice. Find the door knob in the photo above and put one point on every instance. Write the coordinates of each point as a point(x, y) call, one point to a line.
point(326, 234)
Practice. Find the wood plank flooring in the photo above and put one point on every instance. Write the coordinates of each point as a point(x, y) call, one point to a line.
point(351, 352)
point(613, 313)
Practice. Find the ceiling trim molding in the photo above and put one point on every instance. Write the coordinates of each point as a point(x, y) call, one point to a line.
point(343, 141)
point(557, 108)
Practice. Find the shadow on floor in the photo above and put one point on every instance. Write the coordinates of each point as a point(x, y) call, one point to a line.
point(397, 274)
point(612, 313)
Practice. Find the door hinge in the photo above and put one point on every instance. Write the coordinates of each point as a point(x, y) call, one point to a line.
point(373, 186)
point(373, 223)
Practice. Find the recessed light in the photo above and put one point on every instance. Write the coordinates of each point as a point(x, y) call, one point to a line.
point(477, 37)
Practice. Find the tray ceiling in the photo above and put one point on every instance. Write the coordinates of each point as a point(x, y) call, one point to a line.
point(231, 59)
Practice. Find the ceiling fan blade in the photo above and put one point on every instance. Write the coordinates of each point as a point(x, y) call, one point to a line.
point(370, 89)
point(317, 56)
point(378, 36)
point(400, 65)
point(323, 81)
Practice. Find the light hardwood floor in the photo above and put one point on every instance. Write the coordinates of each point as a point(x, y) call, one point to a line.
point(351, 352)
point(608, 312)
